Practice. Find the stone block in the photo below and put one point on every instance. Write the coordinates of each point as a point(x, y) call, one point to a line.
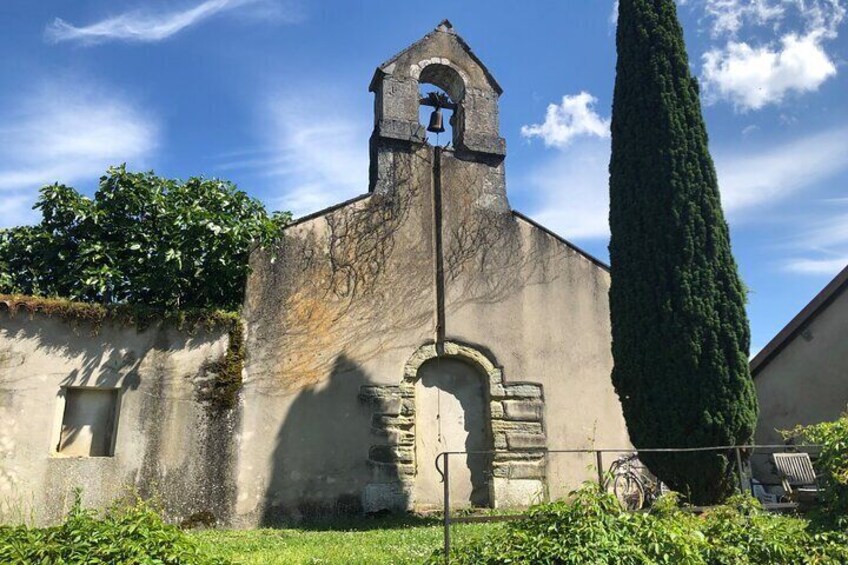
point(386, 496)
point(389, 472)
point(391, 454)
point(407, 407)
point(517, 391)
point(381, 421)
point(367, 392)
point(517, 493)
point(496, 410)
point(524, 410)
point(517, 427)
point(387, 406)
point(507, 456)
point(522, 441)
point(520, 470)
point(401, 130)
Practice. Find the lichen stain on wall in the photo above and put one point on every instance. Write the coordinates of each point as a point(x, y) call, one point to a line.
point(339, 282)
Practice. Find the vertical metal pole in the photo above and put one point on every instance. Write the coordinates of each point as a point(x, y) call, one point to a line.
point(741, 474)
point(447, 510)
point(599, 459)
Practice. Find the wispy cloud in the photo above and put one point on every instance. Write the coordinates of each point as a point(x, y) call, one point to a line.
point(751, 178)
point(727, 17)
point(145, 26)
point(571, 186)
point(823, 248)
point(574, 117)
point(67, 133)
point(817, 266)
point(753, 75)
point(316, 155)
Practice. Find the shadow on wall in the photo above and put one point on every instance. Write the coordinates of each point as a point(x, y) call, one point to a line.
point(319, 467)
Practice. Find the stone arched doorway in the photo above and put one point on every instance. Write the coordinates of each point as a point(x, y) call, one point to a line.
point(513, 427)
point(450, 415)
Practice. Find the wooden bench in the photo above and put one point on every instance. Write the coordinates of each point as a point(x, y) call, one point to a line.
point(797, 476)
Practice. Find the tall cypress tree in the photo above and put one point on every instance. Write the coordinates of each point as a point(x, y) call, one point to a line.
point(680, 333)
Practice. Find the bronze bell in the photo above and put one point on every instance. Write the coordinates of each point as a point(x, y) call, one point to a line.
point(436, 125)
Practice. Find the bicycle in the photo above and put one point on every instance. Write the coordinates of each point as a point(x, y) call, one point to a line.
point(632, 483)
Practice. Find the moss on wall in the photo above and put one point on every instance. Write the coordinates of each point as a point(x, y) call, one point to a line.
point(219, 392)
point(95, 315)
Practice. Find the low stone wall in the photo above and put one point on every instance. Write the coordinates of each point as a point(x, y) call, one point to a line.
point(61, 381)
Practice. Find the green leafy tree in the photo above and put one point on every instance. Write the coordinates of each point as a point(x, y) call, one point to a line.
point(142, 239)
point(680, 333)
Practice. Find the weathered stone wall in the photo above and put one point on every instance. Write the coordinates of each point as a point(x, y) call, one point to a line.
point(340, 315)
point(539, 305)
point(433, 263)
point(168, 443)
point(340, 302)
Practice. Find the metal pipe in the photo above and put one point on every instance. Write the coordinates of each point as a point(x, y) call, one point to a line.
point(741, 473)
point(447, 509)
point(650, 450)
point(599, 457)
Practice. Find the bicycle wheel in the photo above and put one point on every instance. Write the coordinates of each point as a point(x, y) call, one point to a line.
point(609, 479)
point(629, 491)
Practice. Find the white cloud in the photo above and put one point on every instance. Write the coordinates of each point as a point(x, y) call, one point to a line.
point(613, 17)
point(317, 152)
point(728, 16)
point(754, 74)
point(573, 117)
point(752, 178)
point(752, 77)
point(143, 26)
point(64, 132)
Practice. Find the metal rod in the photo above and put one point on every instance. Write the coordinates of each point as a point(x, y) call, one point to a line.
point(741, 473)
point(599, 457)
point(447, 509)
point(652, 450)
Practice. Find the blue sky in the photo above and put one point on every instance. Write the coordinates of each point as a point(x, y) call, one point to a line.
point(272, 94)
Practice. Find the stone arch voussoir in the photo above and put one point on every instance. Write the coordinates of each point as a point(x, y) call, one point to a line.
point(516, 426)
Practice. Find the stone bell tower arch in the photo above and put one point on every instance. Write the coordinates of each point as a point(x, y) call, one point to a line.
point(443, 59)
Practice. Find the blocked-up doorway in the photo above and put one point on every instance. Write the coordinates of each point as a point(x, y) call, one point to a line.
point(88, 422)
point(451, 415)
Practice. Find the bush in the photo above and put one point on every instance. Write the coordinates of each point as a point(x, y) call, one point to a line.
point(831, 466)
point(592, 528)
point(126, 533)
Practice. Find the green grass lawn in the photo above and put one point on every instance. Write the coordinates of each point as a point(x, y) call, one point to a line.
point(387, 540)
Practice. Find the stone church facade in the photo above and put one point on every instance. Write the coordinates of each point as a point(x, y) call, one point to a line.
point(424, 316)
point(430, 272)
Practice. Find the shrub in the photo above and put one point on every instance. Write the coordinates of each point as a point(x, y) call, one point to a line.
point(832, 465)
point(126, 533)
point(592, 528)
